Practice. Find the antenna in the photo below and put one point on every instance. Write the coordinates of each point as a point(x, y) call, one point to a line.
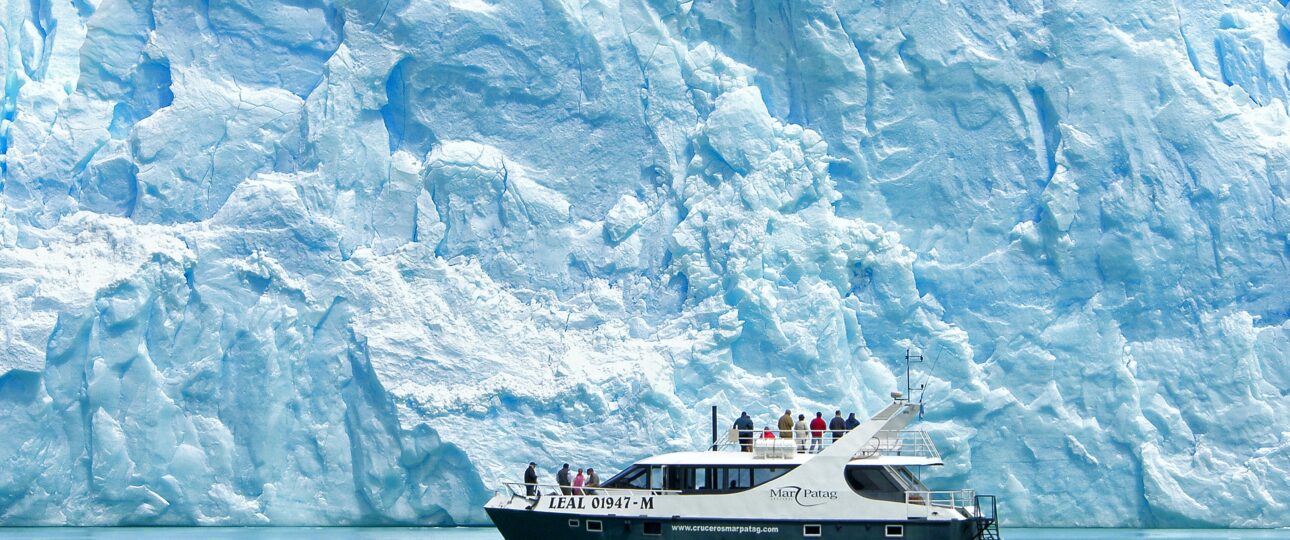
point(911, 358)
point(927, 376)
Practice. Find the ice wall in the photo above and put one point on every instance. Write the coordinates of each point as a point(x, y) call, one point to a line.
point(306, 263)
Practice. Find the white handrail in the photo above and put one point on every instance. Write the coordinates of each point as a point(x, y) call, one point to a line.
point(905, 443)
point(731, 442)
point(920, 503)
point(519, 489)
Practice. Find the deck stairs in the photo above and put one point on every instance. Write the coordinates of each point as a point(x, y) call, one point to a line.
point(986, 517)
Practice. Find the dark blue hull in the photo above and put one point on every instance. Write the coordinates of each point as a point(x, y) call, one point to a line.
point(533, 525)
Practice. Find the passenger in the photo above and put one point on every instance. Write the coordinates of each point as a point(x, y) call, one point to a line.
point(852, 423)
point(593, 481)
point(562, 478)
point(578, 482)
point(767, 433)
point(817, 432)
point(799, 433)
point(786, 425)
point(530, 479)
point(838, 426)
point(745, 426)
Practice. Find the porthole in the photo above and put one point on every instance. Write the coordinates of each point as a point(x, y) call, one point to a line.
point(573, 523)
point(895, 531)
point(595, 526)
point(653, 528)
point(811, 531)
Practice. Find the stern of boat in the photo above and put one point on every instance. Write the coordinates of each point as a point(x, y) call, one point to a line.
point(980, 512)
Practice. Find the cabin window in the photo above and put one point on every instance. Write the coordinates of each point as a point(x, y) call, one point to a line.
point(691, 479)
point(811, 531)
point(688, 479)
point(895, 531)
point(719, 481)
point(870, 479)
point(761, 475)
point(594, 525)
point(636, 477)
point(653, 528)
point(874, 483)
point(573, 523)
point(702, 479)
point(656, 477)
point(679, 478)
point(733, 478)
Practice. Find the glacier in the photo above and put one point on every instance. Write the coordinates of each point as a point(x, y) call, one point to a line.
point(300, 262)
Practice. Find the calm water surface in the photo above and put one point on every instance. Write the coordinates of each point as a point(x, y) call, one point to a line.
point(397, 533)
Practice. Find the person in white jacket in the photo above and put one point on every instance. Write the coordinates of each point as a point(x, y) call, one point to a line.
point(799, 433)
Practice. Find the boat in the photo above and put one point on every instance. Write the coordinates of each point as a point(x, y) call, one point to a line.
point(865, 484)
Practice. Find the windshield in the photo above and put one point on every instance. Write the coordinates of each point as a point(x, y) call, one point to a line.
point(634, 477)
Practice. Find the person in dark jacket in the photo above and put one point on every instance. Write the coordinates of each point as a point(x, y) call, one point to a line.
point(530, 479)
point(745, 426)
point(838, 426)
point(593, 481)
point(562, 478)
point(817, 432)
point(786, 425)
point(852, 423)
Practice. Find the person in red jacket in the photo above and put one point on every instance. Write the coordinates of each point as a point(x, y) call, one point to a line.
point(817, 432)
point(766, 433)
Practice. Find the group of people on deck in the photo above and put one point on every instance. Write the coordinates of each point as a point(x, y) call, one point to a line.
point(577, 485)
point(800, 431)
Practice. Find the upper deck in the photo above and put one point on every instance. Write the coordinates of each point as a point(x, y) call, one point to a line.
point(908, 448)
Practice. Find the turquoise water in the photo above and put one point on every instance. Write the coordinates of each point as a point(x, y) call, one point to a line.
point(399, 533)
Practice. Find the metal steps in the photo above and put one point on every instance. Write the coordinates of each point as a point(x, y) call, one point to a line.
point(987, 518)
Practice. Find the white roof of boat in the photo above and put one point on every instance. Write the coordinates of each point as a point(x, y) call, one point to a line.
point(896, 461)
point(721, 458)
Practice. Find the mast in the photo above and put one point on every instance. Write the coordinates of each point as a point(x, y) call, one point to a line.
point(714, 428)
point(909, 386)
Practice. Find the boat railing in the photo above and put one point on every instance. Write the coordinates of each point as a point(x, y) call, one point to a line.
point(778, 447)
point(905, 443)
point(520, 489)
point(922, 504)
point(728, 443)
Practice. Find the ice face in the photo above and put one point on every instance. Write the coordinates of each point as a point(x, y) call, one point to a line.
point(302, 263)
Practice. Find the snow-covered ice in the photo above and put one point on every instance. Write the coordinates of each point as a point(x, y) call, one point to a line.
point(271, 262)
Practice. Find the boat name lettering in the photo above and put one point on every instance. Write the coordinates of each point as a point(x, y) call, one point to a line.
point(803, 496)
point(579, 502)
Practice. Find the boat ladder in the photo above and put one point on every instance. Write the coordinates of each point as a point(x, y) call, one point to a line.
point(986, 518)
